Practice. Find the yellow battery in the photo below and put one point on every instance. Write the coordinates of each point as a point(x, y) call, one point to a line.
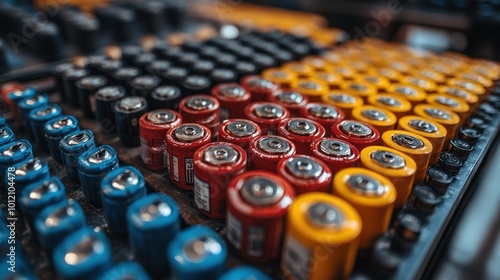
point(333, 80)
point(415, 146)
point(485, 71)
point(318, 63)
point(396, 166)
point(382, 83)
point(400, 66)
point(321, 238)
point(442, 68)
point(428, 85)
point(462, 94)
point(312, 88)
point(398, 105)
point(362, 89)
point(412, 93)
point(302, 70)
point(392, 75)
point(455, 104)
point(380, 118)
point(428, 128)
point(343, 99)
point(442, 115)
point(372, 195)
point(471, 86)
point(334, 57)
point(285, 78)
point(475, 77)
point(432, 75)
point(347, 72)
point(360, 66)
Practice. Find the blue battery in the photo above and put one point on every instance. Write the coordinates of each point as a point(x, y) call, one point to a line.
point(38, 196)
point(17, 95)
point(93, 165)
point(119, 188)
point(83, 255)
point(27, 105)
point(125, 270)
point(25, 173)
point(55, 130)
point(72, 146)
point(3, 121)
point(244, 272)
point(58, 221)
point(197, 252)
point(6, 136)
point(13, 153)
point(152, 223)
point(38, 118)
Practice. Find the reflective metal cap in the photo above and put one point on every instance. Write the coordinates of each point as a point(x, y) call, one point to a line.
point(290, 97)
point(83, 250)
point(366, 185)
point(310, 85)
point(388, 159)
point(61, 123)
point(407, 91)
point(301, 127)
point(447, 102)
point(46, 111)
point(220, 155)
point(197, 249)
point(342, 98)
point(99, 156)
point(131, 104)
point(423, 126)
point(157, 208)
point(110, 92)
point(304, 167)
point(268, 111)
point(232, 91)
point(16, 148)
point(389, 101)
point(161, 117)
point(437, 113)
point(124, 180)
point(166, 92)
point(323, 215)
point(3, 133)
point(273, 145)
point(240, 128)
point(323, 112)
point(261, 83)
point(261, 191)
point(200, 103)
point(55, 218)
point(407, 141)
point(43, 189)
point(375, 115)
point(32, 165)
point(189, 132)
point(335, 148)
point(357, 129)
point(78, 138)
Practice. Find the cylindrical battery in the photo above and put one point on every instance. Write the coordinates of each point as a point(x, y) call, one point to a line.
point(398, 105)
point(266, 151)
point(292, 100)
point(70, 79)
point(38, 118)
point(282, 77)
point(86, 88)
point(301, 132)
point(143, 86)
point(412, 93)
point(104, 100)
point(195, 84)
point(55, 130)
point(358, 133)
point(441, 115)
point(306, 174)
point(232, 98)
point(454, 104)
point(164, 97)
point(324, 114)
point(337, 154)
point(312, 88)
point(379, 118)
point(127, 113)
point(72, 146)
point(259, 87)
point(239, 132)
point(344, 100)
point(27, 105)
point(202, 109)
point(267, 115)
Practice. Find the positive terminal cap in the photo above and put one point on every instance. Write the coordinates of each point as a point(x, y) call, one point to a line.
point(189, 132)
point(273, 145)
point(40, 191)
point(197, 249)
point(166, 92)
point(261, 191)
point(389, 101)
point(447, 102)
point(375, 115)
point(301, 127)
point(157, 208)
point(304, 167)
point(437, 113)
point(55, 218)
point(261, 83)
point(450, 162)
point(83, 250)
point(356, 129)
point(32, 165)
point(388, 159)
point(366, 185)
point(342, 98)
point(131, 104)
point(323, 112)
point(16, 148)
point(232, 91)
point(109, 92)
point(78, 138)
point(46, 111)
point(422, 125)
point(268, 111)
point(99, 156)
point(161, 117)
point(62, 123)
point(335, 148)
point(407, 141)
point(324, 215)
point(290, 97)
point(199, 103)
point(240, 128)
point(407, 91)
point(125, 179)
point(220, 155)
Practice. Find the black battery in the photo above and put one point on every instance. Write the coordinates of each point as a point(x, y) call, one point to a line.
point(70, 78)
point(127, 111)
point(104, 99)
point(124, 75)
point(195, 84)
point(86, 89)
point(165, 97)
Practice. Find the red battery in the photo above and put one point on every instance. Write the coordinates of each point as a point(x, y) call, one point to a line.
point(335, 153)
point(290, 99)
point(215, 164)
point(358, 133)
point(266, 151)
point(202, 109)
point(257, 205)
point(181, 144)
point(259, 87)
point(324, 114)
point(301, 132)
point(267, 115)
point(239, 132)
point(153, 127)
point(232, 98)
point(305, 174)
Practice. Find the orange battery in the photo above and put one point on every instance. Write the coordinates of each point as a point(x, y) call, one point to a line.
point(312, 88)
point(283, 77)
point(412, 93)
point(347, 72)
point(485, 71)
point(415, 146)
point(456, 105)
point(432, 75)
point(442, 68)
point(442, 115)
point(380, 118)
point(462, 94)
point(372, 195)
point(302, 70)
point(333, 80)
point(428, 85)
point(380, 82)
point(475, 77)
point(318, 63)
point(360, 66)
point(392, 75)
point(396, 166)
point(398, 105)
point(361, 89)
point(344, 100)
point(471, 86)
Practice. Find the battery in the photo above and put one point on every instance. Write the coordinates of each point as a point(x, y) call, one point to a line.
point(333, 80)
point(301, 70)
point(305, 174)
point(361, 89)
point(284, 78)
point(15, 96)
point(450, 162)
point(84, 254)
point(320, 224)
point(38, 118)
point(143, 60)
point(441, 115)
point(264, 152)
point(301, 132)
point(164, 97)
point(222, 75)
point(93, 165)
point(124, 75)
point(26, 172)
point(158, 67)
point(104, 99)
point(239, 132)
point(358, 133)
point(93, 63)
point(181, 145)
point(486, 82)
point(411, 93)
point(372, 195)
point(428, 128)
point(6, 136)
point(245, 68)
point(415, 146)
point(197, 252)
point(396, 166)
point(259, 87)
point(143, 86)
point(232, 98)
point(469, 134)
point(257, 206)
point(108, 67)
point(70, 79)
point(346, 101)
point(72, 146)
point(470, 86)
point(347, 72)
point(291, 99)
point(123, 270)
point(119, 189)
point(58, 75)
point(454, 104)
point(461, 148)
point(174, 76)
point(398, 105)
point(203, 67)
point(379, 118)
point(380, 82)
point(424, 199)
point(13, 153)
point(130, 52)
point(438, 179)
point(28, 104)
point(267, 115)
point(127, 113)
point(215, 164)
point(86, 89)
point(312, 88)
point(202, 109)
point(428, 85)
point(55, 130)
point(243, 272)
point(335, 153)
point(195, 84)
point(152, 222)
point(462, 94)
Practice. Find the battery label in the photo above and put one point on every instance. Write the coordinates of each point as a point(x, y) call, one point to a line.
point(189, 164)
point(201, 194)
point(175, 167)
point(166, 160)
point(144, 151)
point(256, 238)
point(234, 230)
point(297, 258)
